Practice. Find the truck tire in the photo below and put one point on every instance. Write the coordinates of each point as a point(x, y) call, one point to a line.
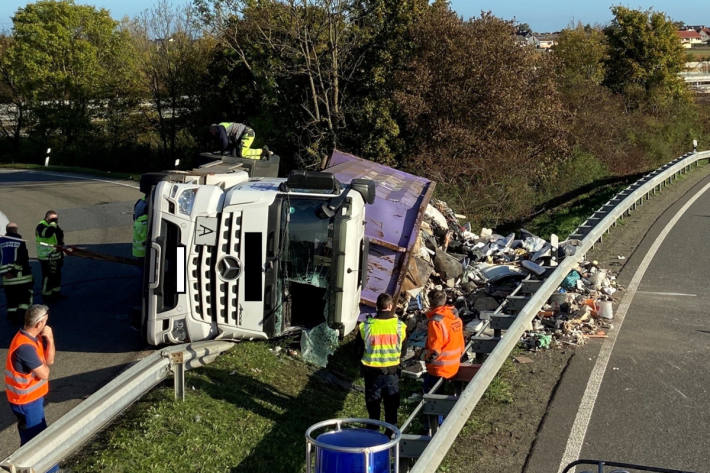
point(150, 180)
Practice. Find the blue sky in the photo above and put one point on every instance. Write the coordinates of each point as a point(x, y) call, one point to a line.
point(541, 15)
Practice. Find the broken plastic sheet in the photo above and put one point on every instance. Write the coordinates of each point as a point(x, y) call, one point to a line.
point(533, 244)
point(318, 343)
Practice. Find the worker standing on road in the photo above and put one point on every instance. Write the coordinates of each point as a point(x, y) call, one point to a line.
point(237, 138)
point(29, 357)
point(140, 227)
point(16, 273)
point(48, 236)
point(383, 337)
point(444, 344)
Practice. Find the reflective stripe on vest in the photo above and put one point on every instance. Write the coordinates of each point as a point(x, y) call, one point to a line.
point(18, 278)
point(43, 251)
point(383, 341)
point(140, 233)
point(23, 388)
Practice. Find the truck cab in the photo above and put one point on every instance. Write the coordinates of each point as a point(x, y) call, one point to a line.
point(239, 257)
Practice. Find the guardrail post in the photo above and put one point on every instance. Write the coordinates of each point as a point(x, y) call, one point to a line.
point(177, 366)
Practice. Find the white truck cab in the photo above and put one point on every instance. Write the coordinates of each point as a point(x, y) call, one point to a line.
point(229, 256)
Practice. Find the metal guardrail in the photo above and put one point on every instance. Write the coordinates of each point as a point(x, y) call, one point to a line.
point(590, 232)
point(60, 439)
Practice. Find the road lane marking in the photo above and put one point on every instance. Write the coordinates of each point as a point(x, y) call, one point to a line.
point(73, 176)
point(586, 406)
point(675, 294)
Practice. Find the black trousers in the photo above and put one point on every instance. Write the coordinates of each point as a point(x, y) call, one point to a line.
point(19, 298)
point(379, 387)
point(51, 276)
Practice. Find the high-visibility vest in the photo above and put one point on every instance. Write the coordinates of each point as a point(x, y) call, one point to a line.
point(140, 233)
point(234, 130)
point(24, 388)
point(447, 342)
point(383, 341)
point(43, 251)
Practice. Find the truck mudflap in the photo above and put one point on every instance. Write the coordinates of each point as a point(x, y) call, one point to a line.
point(393, 221)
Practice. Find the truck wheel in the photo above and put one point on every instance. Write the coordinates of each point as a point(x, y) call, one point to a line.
point(150, 180)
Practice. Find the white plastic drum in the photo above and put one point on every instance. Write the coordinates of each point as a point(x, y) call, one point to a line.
point(3, 223)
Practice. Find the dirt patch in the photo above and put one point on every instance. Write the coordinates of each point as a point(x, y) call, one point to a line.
point(499, 434)
point(502, 429)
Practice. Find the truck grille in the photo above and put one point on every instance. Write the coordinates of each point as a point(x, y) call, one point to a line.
point(212, 299)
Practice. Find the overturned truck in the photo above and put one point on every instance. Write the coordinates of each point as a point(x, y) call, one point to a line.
point(233, 254)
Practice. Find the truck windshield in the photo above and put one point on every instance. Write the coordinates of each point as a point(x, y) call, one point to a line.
point(307, 242)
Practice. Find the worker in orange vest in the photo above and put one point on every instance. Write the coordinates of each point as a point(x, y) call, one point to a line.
point(29, 357)
point(444, 343)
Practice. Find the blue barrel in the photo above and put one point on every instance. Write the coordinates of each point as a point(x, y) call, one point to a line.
point(333, 461)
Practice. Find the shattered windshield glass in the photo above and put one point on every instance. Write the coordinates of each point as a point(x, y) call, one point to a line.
point(308, 242)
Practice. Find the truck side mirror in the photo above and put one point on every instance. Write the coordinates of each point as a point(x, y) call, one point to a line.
point(366, 188)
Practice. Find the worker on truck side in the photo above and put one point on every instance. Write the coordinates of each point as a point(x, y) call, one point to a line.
point(383, 337)
point(237, 138)
point(49, 236)
point(140, 227)
point(16, 273)
point(444, 343)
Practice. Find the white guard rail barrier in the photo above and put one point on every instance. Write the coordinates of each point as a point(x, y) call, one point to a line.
point(603, 220)
point(61, 438)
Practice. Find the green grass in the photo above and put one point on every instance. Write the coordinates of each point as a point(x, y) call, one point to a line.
point(76, 169)
point(697, 54)
point(247, 411)
point(563, 220)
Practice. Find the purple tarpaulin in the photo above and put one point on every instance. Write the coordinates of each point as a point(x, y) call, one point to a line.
point(392, 221)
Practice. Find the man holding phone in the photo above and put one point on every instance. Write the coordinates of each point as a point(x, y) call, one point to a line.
point(29, 357)
point(49, 236)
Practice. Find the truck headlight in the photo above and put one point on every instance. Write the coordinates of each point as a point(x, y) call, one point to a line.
point(186, 201)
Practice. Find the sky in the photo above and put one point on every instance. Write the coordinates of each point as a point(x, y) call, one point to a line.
point(541, 15)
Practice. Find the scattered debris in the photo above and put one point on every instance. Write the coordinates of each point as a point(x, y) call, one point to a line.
point(523, 360)
point(478, 272)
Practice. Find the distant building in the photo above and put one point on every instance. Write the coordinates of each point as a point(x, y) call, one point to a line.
point(545, 41)
point(689, 37)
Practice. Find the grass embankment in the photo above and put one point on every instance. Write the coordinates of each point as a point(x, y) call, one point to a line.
point(246, 412)
point(563, 220)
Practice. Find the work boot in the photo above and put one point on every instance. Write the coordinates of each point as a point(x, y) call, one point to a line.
point(265, 153)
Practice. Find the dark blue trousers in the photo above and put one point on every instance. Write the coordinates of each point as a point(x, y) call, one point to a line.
point(30, 422)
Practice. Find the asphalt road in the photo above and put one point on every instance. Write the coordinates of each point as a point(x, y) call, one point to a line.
point(91, 326)
point(649, 404)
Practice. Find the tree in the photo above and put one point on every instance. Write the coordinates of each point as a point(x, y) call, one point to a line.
point(481, 114)
point(174, 60)
point(523, 29)
point(298, 57)
point(387, 45)
point(645, 57)
point(580, 55)
point(12, 94)
point(66, 57)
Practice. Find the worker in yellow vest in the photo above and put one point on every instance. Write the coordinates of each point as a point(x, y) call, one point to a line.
point(236, 139)
point(140, 228)
point(49, 236)
point(383, 337)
